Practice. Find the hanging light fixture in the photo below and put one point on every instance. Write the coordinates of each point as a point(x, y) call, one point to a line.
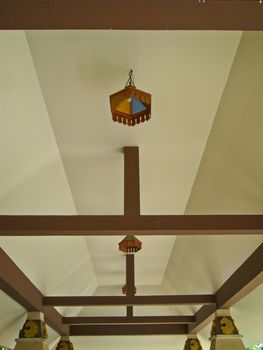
point(124, 290)
point(130, 244)
point(130, 106)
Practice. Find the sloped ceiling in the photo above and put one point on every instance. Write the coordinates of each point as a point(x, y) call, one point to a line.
point(62, 155)
point(229, 180)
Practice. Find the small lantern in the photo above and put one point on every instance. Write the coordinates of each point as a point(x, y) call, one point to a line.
point(130, 106)
point(124, 290)
point(130, 244)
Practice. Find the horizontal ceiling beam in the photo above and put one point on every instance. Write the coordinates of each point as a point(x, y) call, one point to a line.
point(129, 300)
point(129, 320)
point(118, 14)
point(17, 286)
point(125, 329)
point(246, 278)
point(83, 225)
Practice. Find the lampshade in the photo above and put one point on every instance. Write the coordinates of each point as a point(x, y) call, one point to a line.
point(130, 106)
point(130, 244)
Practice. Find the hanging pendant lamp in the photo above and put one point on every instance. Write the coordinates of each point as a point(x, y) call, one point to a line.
point(130, 106)
point(130, 244)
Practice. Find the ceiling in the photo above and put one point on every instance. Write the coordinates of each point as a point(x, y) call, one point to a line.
point(62, 154)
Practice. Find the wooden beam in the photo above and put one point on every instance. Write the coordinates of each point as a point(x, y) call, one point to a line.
point(129, 311)
point(129, 320)
point(118, 14)
point(130, 282)
point(246, 278)
point(129, 300)
point(128, 329)
point(203, 317)
point(78, 225)
point(131, 181)
point(18, 287)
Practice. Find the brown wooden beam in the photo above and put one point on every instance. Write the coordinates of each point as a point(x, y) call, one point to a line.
point(78, 225)
point(129, 311)
point(129, 300)
point(130, 320)
point(118, 14)
point(131, 181)
point(125, 329)
point(203, 317)
point(130, 282)
point(18, 287)
point(246, 278)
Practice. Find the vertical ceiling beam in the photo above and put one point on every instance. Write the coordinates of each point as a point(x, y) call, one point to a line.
point(129, 312)
point(131, 181)
point(131, 207)
point(130, 281)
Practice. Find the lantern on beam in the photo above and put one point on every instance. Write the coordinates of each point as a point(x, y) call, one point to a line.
point(130, 244)
point(124, 290)
point(130, 106)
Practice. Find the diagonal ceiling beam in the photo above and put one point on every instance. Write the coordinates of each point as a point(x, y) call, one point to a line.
point(131, 181)
point(153, 14)
point(17, 286)
point(128, 329)
point(129, 300)
point(129, 320)
point(96, 225)
point(246, 278)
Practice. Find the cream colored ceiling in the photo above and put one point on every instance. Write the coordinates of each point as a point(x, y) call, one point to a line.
point(230, 177)
point(61, 154)
point(78, 70)
point(229, 180)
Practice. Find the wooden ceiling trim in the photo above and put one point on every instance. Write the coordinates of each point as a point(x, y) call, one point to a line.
point(246, 278)
point(201, 299)
point(130, 320)
point(127, 329)
point(17, 286)
point(96, 225)
point(117, 14)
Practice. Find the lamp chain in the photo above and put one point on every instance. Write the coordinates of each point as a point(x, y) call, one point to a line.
point(130, 81)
